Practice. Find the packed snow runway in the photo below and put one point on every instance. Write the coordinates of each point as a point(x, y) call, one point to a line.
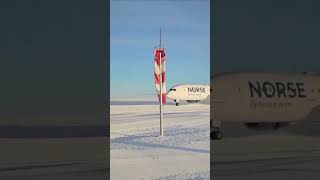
point(290, 153)
point(137, 151)
point(54, 158)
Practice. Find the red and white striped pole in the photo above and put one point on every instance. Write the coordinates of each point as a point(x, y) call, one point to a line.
point(160, 79)
point(161, 108)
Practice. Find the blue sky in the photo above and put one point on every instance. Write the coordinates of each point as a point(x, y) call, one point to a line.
point(135, 33)
point(267, 36)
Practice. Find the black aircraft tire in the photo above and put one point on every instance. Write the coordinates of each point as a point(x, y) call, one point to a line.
point(212, 135)
point(217, 135)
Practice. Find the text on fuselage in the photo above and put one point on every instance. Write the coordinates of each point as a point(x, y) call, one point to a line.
point(196, 90)
point(277, 89)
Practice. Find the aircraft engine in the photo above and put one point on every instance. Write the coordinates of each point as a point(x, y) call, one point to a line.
point(266, 126)
point(193, 101)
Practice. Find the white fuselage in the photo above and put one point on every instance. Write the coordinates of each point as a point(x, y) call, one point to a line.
point(189, 92)
point(264, 97)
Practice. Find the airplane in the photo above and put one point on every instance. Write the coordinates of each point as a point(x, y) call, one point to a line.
point(191, 93)
point(262, 100)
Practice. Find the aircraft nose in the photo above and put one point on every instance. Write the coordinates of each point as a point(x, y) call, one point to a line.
point(170, 94)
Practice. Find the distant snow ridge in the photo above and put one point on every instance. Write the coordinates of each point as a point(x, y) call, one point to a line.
point(202, 175)
point(172, 137)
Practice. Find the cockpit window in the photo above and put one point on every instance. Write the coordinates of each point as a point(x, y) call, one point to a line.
point(172, 89)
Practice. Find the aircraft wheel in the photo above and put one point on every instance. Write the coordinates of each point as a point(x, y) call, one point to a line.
point(177, 104)
point(212, 135)
point(217, 135)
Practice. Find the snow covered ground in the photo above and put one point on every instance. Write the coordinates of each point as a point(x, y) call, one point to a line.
point(53, 158)
point(291, 153)
point(137, 151)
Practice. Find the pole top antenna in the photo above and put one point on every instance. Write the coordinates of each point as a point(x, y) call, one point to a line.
point(160, 38)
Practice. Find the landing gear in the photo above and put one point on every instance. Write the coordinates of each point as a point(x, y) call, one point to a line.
point(216, 134)
point(177, 104)
point(215, 130)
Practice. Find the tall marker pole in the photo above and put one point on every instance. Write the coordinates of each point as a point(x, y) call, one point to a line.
point(161, 110)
